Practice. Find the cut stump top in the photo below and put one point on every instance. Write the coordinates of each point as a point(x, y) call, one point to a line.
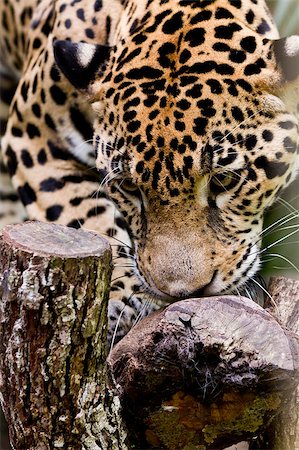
point(45, 239)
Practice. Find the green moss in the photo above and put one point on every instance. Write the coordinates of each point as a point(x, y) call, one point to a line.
point(250, 421)
point(171, 432)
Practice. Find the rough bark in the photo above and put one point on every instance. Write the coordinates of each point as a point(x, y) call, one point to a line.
point(285, 306)
point(204, 373)
point(54, 284)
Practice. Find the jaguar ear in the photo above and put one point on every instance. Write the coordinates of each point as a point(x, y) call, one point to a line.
point(286, 51)
point(81, 63)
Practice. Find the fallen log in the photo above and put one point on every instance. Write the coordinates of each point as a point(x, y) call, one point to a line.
point(205, 374)
point(54, 285)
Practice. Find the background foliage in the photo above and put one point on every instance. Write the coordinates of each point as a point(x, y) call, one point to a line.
point(286, 14)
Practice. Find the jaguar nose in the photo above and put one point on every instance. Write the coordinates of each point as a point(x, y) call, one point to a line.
point(203, 290)
point(184, 294)
point(198, 292)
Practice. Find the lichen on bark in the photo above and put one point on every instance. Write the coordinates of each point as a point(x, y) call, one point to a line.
point(53, 327)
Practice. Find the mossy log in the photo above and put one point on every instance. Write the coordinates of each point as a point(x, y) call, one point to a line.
point(54, 284)
point(205, 374)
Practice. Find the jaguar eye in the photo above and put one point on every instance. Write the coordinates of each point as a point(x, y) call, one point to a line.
point(223, 181)
point(128, 186)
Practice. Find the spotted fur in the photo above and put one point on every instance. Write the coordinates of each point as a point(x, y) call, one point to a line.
point(192, 110)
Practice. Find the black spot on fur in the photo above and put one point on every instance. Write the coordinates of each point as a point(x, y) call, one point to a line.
point(248, 44)
point(27, 194)
point(206, 107)
point(201, 17)
point(185, 56)
point(267, 135)
point(236, 3)
point(80, 14)
point(17, 132)
point(221, 47)
point(36, 110)
point(250, 142)
point(32, 131)
point(195, 91)
point(237, 56)
point(77, 223)
point(24, 91)
point(144, 72)
point(54, 73)
point(81, 124)
point(54, 212)
point(96, 211)
point(287, 125)
point(223, 13)
point(227, 31)
point(89, 33)
point(133, 126)
point(98, 5)
point(244, 85)
point(42, 157)
point(12, 162)
point(58, 95)
point(289, 145)
point(165, 50)
point(36, 43)
point(237, 114)
point(255, 68)
point(174, 24)
point(195, 37)
point(200, 125)
point(49, 122)
point(57, 152)
point(263, 27)
point(51, 185)
point(272, 169)
point(215, 86)
point(26, 159)
point(250, 16)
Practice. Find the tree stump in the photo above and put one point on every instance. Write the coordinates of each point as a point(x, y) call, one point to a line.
point(202, 374)
point(205, 374)
point(285, 306)
point(54, 285)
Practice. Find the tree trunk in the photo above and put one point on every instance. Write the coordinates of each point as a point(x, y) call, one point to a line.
point(204, 374)
point(285, 306)
point(54, 284)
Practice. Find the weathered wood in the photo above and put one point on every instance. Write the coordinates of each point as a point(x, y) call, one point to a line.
point(204, 373)
point(54, 284)
point(285, 306)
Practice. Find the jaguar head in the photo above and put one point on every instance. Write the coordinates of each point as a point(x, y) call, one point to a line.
point(195, 142)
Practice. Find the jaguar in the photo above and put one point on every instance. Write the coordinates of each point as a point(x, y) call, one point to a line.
point(169, 126)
